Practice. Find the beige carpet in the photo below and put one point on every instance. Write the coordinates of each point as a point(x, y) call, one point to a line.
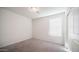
point(33, 45)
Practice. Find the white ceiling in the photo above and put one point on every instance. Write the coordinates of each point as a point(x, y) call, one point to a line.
point(44, 11)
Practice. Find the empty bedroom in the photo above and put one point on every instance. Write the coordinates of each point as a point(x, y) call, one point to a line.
point(39, 29)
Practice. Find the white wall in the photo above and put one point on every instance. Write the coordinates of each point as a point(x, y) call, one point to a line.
point(14, 27)
point(41, 29)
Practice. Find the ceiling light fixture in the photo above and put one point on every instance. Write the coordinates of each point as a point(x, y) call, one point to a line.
point(35, 9)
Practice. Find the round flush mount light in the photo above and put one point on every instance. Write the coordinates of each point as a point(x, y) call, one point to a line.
point(34, 9)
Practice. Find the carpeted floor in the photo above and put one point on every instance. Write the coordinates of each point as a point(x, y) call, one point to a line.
point(33, 45)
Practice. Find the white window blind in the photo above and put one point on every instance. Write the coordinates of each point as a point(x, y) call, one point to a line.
point(55, 25)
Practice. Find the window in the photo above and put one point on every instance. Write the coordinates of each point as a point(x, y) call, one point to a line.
point(55, 26)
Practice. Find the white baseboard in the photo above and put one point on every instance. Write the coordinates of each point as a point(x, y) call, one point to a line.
point(4, 45)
